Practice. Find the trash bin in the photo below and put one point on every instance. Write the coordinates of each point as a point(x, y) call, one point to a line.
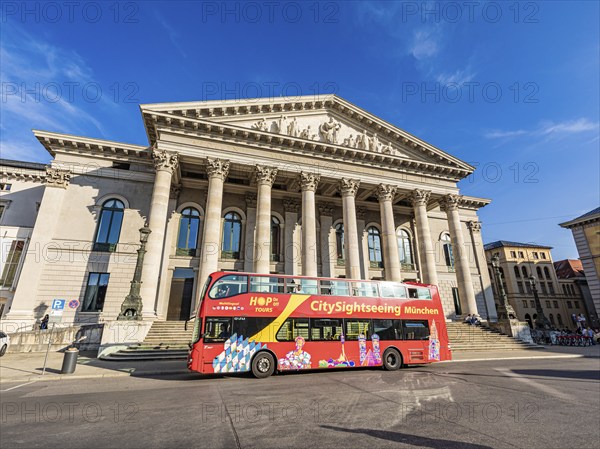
point(70, 361)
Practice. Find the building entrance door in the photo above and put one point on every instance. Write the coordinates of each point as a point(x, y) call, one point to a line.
point(180, 298)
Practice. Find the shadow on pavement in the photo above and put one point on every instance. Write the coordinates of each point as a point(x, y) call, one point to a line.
point(406, 438)
point(578, 374)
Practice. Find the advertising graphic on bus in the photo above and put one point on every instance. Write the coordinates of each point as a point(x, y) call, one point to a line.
point(264, 323)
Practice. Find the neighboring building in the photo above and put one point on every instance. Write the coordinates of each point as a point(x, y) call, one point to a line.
point(520, 261)
point(574, 287)
point(312, 186)
point(21, 190)
point(586, 233)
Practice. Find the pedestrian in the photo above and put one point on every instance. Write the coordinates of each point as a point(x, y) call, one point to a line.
point(44, 322)
point(468, 319)
point(582, 320)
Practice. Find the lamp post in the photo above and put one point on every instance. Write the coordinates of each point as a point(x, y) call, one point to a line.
point(131, 309)
point(541, 322)
point(503, 308)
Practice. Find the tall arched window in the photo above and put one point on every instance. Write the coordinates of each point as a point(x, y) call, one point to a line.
point(517, 272)
point(524, 270)
point(551, 317)
point(405, 248)
point(109, 226)
point(539, 273)
point(232, 236)
point(275, 238)
point(189, 226)
point(339, 242)
point(546, 272)
point(374, 241)
point(448, 256)
point(559, 319)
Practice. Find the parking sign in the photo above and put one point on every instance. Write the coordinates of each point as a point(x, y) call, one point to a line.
point(58, 304)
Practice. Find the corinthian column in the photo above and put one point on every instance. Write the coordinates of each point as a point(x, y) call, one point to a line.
point(349, 187)
point(484, 276)
point(165, 164)
point(309, 183)
point(391, 259)
point(217, 170)
point(265, 176)
point(419, 200)
point(463, 272)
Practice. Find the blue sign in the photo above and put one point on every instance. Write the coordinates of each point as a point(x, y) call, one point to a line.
point(58, 304)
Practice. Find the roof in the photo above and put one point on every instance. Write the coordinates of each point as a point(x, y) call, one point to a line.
point(569, 268)
point(506, 243)
point(23, 164)
point(592, 215)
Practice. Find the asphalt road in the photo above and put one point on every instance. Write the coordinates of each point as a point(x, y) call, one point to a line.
point(500, 404)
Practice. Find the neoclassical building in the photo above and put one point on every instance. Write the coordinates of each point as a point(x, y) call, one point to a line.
point(311, 186)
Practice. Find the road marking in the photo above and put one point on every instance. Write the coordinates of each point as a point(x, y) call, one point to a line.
point(17, 386)
point(535, 383)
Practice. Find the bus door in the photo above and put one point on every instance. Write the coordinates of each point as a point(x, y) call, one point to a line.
point(416, 337)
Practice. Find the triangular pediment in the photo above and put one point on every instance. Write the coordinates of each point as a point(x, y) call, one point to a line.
point(326, 120)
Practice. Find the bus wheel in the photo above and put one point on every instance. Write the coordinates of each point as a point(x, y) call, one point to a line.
point(263, 365)
point(392, 360)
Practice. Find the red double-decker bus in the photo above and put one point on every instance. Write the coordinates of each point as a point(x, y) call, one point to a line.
point(264, 323)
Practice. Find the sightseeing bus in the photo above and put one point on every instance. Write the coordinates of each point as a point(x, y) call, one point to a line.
point(268, 323)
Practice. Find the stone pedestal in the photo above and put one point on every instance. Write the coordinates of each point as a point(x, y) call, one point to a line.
point(118, 335)
point(514, 328)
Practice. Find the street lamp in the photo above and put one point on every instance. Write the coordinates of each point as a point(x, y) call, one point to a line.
point(503, 308)
point(131, 309)
point(541, 322)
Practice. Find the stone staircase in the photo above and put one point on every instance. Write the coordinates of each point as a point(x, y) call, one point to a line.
point(464, 337)
point(166, 340)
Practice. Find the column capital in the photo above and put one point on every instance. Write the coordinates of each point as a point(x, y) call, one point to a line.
point(326, 209)
point(420, 197)
point(164, 160)
point(386, 192)
point(474, 226)
point(450, 202)
point(217, 168)
point(56, 177)
point(349, 187)
point(175, 191)
point(251, 200)
point(309, 181)
point(361, 212)
point(265, 175)
point(291, 205)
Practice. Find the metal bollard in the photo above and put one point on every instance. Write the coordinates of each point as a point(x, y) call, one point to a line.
point(70, 361)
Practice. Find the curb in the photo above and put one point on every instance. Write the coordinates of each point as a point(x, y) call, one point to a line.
point(566, 356)
point(55, 377)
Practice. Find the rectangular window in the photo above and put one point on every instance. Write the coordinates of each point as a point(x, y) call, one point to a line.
point(569, 304)
point(5, 186)
point(356, 327)
point(551, 289)
point(217, 329)
point(543, 287)
point(513, 254)
point(95, 292)
point(292, 328)
point(229, 285)
point(247, 327)
point(365, 289)
point(577, 304)
point(528, 287)
point(12, 263)
point(325, 329)
point(336, 288)
point(547, 304)
point(392, 290)
point(543, 255)
point(535, 255)
point(520, 287)
point(388, 329)
point(521, 256)
point(555, 303)
point(524, 303)
point(532, 303)
point(416, 330)
point(265, 284)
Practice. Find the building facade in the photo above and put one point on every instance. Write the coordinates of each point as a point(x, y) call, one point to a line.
point(586, 233)
point(524, 263)
point(314, 186)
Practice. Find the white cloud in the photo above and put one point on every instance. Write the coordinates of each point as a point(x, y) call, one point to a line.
point(425, 43)
point(460, 76)
point(547, 129)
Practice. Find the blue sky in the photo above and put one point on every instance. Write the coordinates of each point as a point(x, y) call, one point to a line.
point(512, 88)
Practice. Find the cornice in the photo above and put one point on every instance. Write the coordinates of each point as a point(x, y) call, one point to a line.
point(22, 174)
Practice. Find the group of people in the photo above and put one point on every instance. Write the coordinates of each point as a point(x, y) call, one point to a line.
point(472, 319)
point(578, 320)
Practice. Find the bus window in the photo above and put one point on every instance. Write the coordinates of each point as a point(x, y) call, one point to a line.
point(325, 329)
point(325, 288)
point(386, 329)
point(249, 326)
point(423, 293)
point(292, 328)
point(302, 286)
point(416, 330)
point(356, 327)
point(368, 289)
point(266, 284)
point(412, 293)
point(340, 288)
point(392, 290)
point(217, 329)
point(227, 286)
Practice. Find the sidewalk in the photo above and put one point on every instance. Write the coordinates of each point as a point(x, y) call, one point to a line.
point(27, 367)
